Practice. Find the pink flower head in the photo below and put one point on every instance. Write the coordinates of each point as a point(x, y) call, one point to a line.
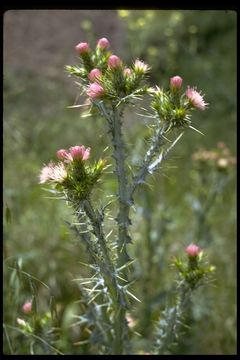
point(95, 91)
point(46, 173)
point(140, 66)
point(62, 154)
point(53, 172)
point(114, 61)
point(127, 72)
point(27, 307)
point(196, 99)
point(103, 43)
point(80, 152)
point(82, 48)
point(94, 74)
point(176, 82)
point(192, 250)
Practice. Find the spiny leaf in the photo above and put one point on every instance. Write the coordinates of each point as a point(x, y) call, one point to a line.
point(133, 296)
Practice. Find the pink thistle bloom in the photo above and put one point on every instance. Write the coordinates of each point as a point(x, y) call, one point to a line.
point(176, 82)
point(80, 152)
point(27, 307)
point(127, 72)
point(140, 66)
point(103, 43)
point(196, 99)
point(114, 61)
point(46, 173)
point(94, 74)
point(63, 154)
point(53, 172)
point(192, 250)
point(59, 173)
point(95, 91)
point(82, 48)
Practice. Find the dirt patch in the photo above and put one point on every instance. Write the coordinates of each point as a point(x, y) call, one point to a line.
point(41, 42)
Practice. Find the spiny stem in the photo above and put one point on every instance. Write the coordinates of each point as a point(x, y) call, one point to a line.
point(169, 332)
point(108, 271)
point(157, 142)
point(123, 198)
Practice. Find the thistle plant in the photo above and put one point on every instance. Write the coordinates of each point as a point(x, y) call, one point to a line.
point(212, 170)
point(110, 87)
point(192, 273)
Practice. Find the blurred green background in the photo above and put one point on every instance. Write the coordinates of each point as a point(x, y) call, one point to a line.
point(200, 46)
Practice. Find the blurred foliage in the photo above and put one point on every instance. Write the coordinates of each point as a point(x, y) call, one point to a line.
point(200, 46)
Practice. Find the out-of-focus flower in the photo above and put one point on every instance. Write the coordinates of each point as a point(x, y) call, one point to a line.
point(222, 163)
point(94, 74)
point(95, 91)
point(21, 322)
point(192, 250)
point(114, 61)
point(176, 82)
point(220, 157)
point(130, 320)
point(27, 307)
point(127, 72)
point(103, 43)
point(196, 99)
point(80, 152)
point(82, 48)
point(221, 145)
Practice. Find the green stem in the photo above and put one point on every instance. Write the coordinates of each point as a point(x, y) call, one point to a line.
point(123, 197)
point(108, 272)
point(169, 331)
point(157, 142)
point(148, 271)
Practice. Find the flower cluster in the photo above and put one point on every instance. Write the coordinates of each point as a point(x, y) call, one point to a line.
point(219, 158)
point(104, 75)
point(173, 107)
point(195, 270)
point(71, 174)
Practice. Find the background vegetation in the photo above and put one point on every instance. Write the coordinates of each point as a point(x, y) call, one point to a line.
point(200, 46)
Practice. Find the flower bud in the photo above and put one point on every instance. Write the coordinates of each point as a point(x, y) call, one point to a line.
point(80, 152)
point(222, 163)
point(82, 48)
point(127, 72)
point(95, 91)
point(62, 154)
point(176, 82)
point(94, 74)
point(27, 307)
point(21, 322)
point(103, 43)
point(114, 61)
point(192, 250)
